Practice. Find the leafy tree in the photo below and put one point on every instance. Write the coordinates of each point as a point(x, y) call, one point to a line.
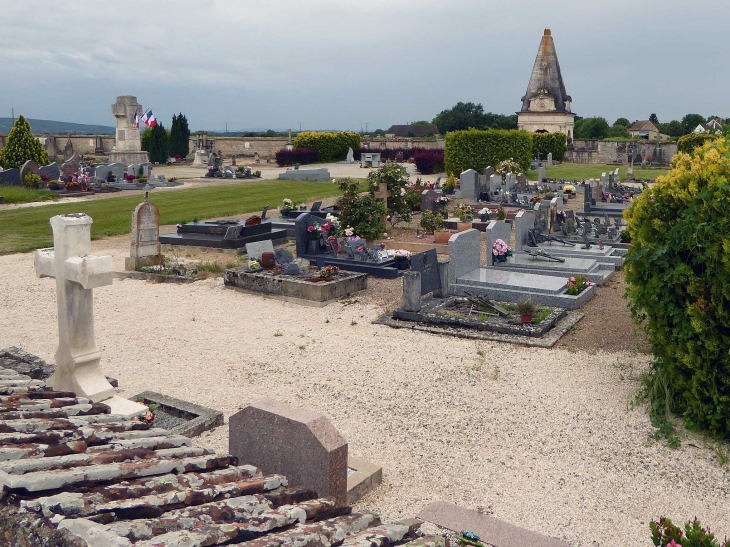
point(679, 285)
point(673, 129)
point(622, 121)
point(470, 115)
point(22, 146)
point(691, 121)
point(395, 176)
point(545, 143)
point(619, 131)
point(420, 122)
point(653, 119)
point(156, 141)
point(179, 136)
point(461, 116)
point(591, 128)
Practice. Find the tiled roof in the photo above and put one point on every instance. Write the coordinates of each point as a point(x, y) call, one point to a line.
point(643, 125)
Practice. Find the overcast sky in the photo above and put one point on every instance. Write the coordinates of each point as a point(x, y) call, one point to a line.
point(328, 64)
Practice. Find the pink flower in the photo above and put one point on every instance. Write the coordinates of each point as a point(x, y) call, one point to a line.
point(673, 544)
point(310, 229)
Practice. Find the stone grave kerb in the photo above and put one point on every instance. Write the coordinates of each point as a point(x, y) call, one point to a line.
point(524, 222)
point(497, 229)
point(77, 273)
point(464, 253)
point(301, 444)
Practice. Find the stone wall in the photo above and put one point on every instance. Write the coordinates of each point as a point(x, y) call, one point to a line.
point(241, 147)
point(609, 152)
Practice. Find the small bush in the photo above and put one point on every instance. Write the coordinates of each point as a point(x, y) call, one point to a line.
point(361, 212)
point(302, 156)
point(31, 180)
point(432, 222)
point(475, 149)
point(429, 161)
point(395, 177)
point(330, 146)
point(664, 533)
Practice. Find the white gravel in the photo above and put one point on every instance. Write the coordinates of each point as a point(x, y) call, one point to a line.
point(544, 439)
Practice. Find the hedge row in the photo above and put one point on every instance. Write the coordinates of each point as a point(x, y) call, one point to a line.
point(298, 155)
point(557, 143)
point(330, 147)
point(689, 142)
point(475, 149)
point(429, 161)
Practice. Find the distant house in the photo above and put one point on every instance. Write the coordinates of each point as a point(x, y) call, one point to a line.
point(419, 130)
point(647, 130)
point(713, 126)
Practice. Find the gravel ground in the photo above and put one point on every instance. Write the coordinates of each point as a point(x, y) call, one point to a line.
point(545, 439)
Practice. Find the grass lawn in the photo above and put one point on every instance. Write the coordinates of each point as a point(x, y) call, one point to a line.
point(19, 194)
point(578, 171)
point(26, 229)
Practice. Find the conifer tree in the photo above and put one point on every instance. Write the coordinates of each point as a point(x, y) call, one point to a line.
point(22, 146)
point(179, 136)
point(156, 141)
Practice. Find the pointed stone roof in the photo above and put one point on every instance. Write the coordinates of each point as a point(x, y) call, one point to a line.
point(546, 78)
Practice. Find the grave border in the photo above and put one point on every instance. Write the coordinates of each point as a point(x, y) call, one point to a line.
point(207, 418)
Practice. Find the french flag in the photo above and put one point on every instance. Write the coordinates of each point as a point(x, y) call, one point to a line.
point(149, 119)
point(136, 120)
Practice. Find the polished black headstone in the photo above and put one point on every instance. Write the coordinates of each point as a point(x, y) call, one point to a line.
point(427, 264)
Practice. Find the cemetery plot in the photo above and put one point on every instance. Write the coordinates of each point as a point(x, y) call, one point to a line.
point(222, 234)
point(179, 417)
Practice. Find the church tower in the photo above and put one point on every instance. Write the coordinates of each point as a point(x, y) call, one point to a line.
point(546, 105)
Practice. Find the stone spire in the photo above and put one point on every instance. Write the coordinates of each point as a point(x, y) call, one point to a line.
point(546, 90)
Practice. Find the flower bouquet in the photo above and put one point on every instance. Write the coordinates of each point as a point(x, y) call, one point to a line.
point(484, 214)
point(577, 284)
point(500, 251)
point(443, 201)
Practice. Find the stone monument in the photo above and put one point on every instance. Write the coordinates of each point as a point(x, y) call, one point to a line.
point(77, 273)
point(128, 146)
point(350, 156)
point(144, 249)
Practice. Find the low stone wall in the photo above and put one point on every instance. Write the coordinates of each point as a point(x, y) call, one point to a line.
point(620, 152)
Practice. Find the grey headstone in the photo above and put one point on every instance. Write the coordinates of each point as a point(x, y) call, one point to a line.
point(468, 181)
point(283, 257)
point(411, 291)
point(350, 156)
point(51, 171)
point(543, 215)
point(264, 211)
point(291, 269)
point(488, 172)
point(428, 200)
point(11, 177)
point(524, 222)
point(427, 264)
point(495, 183)
point(549, 162)
point(464, 253)
point(316, 206)
point(540, 174)
point(255, 249)
point(496, 229)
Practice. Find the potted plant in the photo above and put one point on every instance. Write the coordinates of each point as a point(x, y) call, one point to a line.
point(450, 184)
point(569, 190)
point(526, 309)
point(577, 285)
point(53, 185)
point(500, 251)
point(402, 259)
point(286, 206)
point(484, 215)
point(443, 204)
point(501, 215)
point(466, 215)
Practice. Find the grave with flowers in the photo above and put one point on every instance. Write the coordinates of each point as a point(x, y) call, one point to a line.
point(317, 241)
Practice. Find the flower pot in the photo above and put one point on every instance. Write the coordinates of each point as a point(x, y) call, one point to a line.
point(442, 236)
point(285, 213)
point(402, 263)
point(526, 318)
point(462, 226)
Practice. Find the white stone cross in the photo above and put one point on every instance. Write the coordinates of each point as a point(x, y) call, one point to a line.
point(77, 274)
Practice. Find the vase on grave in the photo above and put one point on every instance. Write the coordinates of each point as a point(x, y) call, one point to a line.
point(268, 260)
point(322, 244)
point(442, 236)
point(312, 246)
point(402, 263)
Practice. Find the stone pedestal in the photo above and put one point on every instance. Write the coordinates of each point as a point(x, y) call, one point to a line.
point(128, 146)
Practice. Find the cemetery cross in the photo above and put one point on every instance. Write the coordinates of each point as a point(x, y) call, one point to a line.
point(382, 195)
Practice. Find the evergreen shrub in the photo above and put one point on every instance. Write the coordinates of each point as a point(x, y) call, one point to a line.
point(475, 149)
point(330, 146)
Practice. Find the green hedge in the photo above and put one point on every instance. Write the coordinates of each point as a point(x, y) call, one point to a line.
point(689, 142)
point(475, 149)
point(329, 146)
point(678, 278)
point(557, 143)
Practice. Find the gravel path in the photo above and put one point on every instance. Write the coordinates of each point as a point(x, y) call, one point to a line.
point(544, 439)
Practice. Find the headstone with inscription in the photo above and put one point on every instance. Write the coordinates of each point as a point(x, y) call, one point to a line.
point(255, 249)
point(144, 249)
point(428, 200)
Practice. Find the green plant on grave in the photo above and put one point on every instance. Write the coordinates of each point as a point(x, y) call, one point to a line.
point(431, 222)
point(450, 184)
point(678, 277)
point(22, 146)
point(464, 212)
point(501, 215)
point(526, 306)
point(395, 176)
point(360, 212)
point(31, 180)
point(666, 534)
